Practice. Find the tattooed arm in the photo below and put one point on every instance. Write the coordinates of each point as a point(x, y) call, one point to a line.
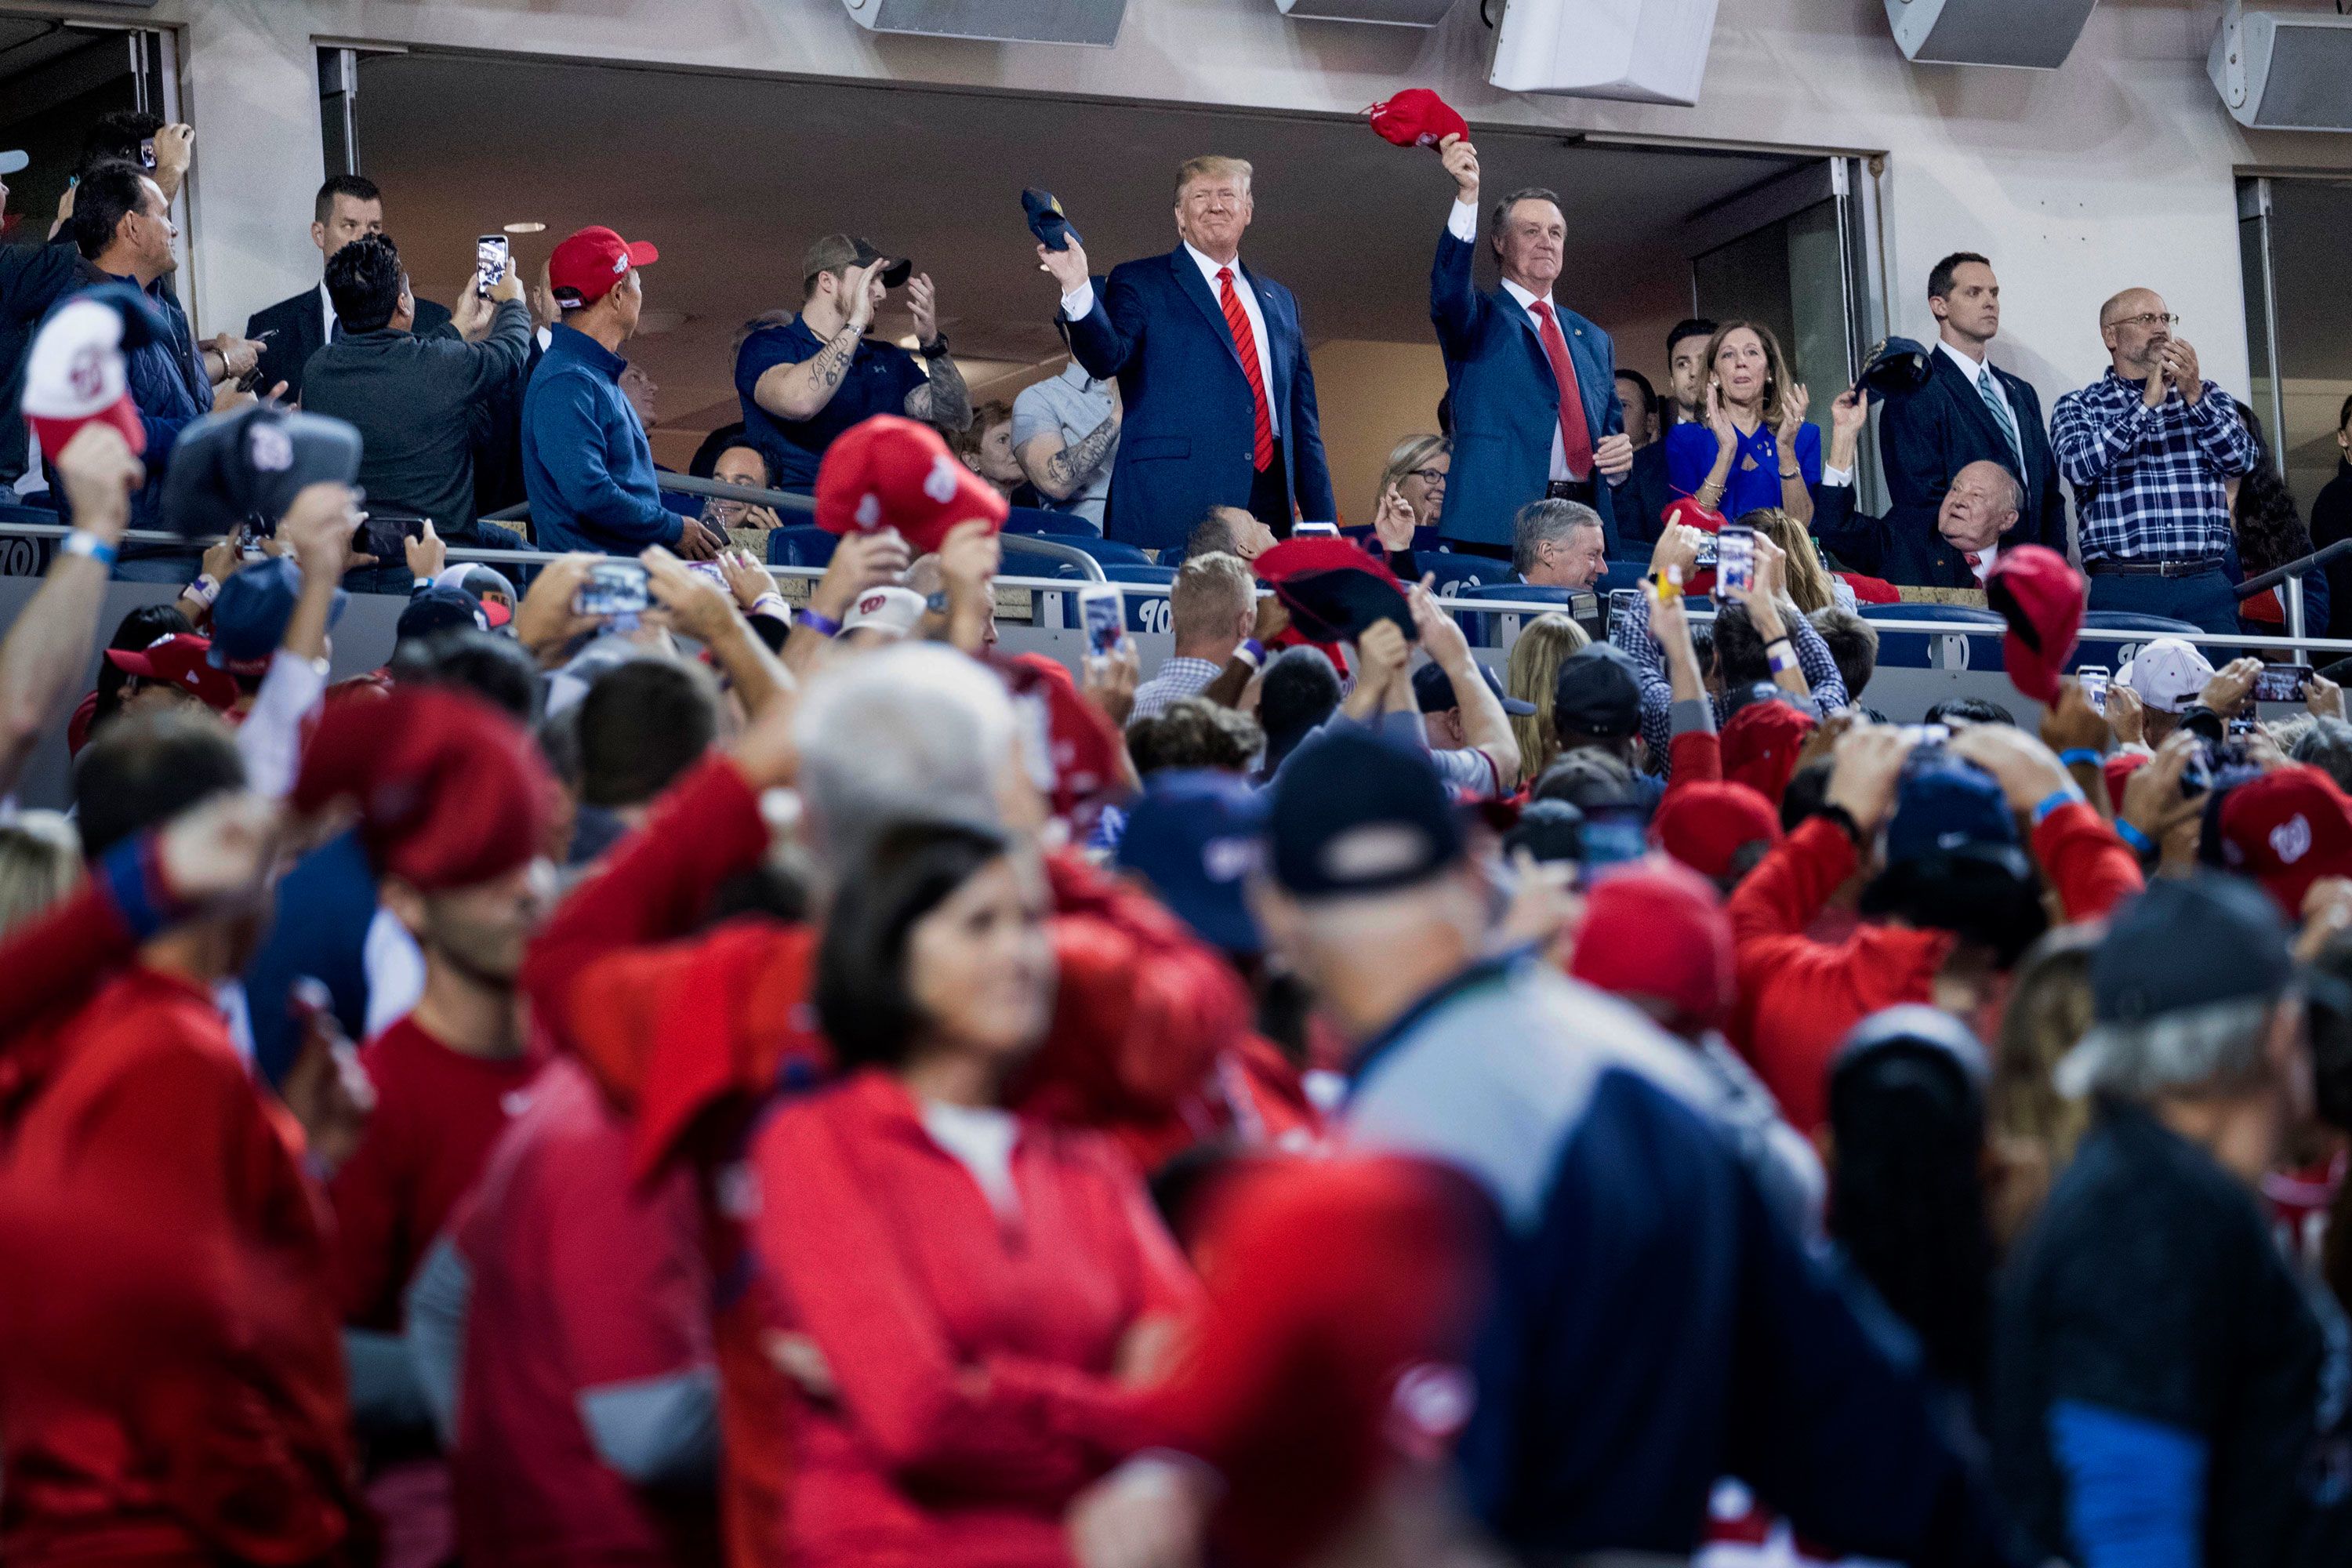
point(1062, 471)
point(802, 390)
point(943, 400)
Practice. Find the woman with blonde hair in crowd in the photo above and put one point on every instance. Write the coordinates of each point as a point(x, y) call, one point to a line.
point(2035, 1127)
point(41, 863)
point(1808, 582)
point(1532, 672)
point(1412, 484)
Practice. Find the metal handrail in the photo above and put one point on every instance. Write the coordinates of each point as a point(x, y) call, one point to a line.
point(2296, 568)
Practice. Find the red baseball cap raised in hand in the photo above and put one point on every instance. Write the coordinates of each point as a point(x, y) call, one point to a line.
point(893, 472)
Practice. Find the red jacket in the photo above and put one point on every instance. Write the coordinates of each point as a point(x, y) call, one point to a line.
point(691, 1034)
point(1799, 997)
point(170, 1375)
point(975, 1353)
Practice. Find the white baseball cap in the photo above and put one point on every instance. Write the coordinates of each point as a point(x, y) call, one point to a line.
point(13, 160)
point(2168, 673)
point(897, 611)
point(74, 377)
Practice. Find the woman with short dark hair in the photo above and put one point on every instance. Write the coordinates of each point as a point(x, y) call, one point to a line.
point(964, 1295)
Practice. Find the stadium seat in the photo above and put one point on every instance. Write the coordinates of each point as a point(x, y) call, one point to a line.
point(2114, 654)
point(1919, 650)
point(1458, 573)
point(1107, 551)
point(800, 545)
point(1145, 612)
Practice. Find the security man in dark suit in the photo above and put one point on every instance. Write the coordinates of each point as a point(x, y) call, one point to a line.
point(291, 330)
point(1533, 385)
point(1970, 410)
point(1211, 369)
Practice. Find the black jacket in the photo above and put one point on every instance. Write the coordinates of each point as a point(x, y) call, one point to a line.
point(2331, 520)
point(413, 399)
point(300, 324)
point(33, 279)
point(1878, 547)
point(1928, 434)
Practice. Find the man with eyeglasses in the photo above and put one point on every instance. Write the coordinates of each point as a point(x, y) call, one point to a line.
point(2150, 449)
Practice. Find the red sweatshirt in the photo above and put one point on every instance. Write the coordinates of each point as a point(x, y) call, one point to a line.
point(691, 1034)
point(975, 1352)
point(438, 1111)
point(1799, 997)
point(171, 1379)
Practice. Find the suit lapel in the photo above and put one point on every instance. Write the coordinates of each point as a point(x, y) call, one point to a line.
point(1972, 402)
point(1513, 310)
point(1188, 281)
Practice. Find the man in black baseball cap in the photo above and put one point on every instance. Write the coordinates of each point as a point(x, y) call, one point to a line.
point(2165, 1388)
point(804, 382)
point(1596, 706)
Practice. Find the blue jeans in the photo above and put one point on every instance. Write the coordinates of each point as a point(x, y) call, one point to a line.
point(2206, 600)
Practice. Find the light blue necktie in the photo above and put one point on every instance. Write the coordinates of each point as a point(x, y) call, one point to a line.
point(1989, 388)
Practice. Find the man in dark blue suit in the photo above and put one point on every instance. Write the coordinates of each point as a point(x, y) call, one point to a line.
point(1211, 369)
point(1969, 411)
point(1533, 385)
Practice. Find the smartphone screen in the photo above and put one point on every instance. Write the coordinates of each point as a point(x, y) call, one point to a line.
point(2094, 679)
point(614, 589)
point(1709, 548)
point(147, 154)
point(1104, 614)
point(489, 262)
point(1621, 605)
point(2283, 683)
point(1734, 569)
point(1314, 531)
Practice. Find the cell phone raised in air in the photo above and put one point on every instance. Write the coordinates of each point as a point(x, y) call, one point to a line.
point(614, 589)
point(1102, 610)
point(1734, 566)
point(2283, 683)
point(1314, 531)
point(491, 262)
point(2094, 679)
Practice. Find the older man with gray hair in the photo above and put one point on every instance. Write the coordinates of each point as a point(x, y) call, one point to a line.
point(2168, 1387)
point(1558, 545)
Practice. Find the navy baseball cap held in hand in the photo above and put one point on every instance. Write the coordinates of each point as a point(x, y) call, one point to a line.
point(1894, 366)
point(1047, 221)
point(249, 464)
point(1195, 834)
point(2186, 943)
point(250, 615)
point(1356, 814)
point(1433, 691)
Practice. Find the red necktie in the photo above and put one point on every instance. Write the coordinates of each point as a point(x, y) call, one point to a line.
point(1972, 558)
point(1246, 346)
point(1575, 440)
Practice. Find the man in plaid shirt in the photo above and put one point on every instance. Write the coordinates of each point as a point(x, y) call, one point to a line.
point(2149, 448)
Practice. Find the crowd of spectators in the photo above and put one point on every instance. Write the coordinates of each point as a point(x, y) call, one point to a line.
point(834, 1091)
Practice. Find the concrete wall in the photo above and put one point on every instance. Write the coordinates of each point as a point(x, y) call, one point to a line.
point(2116, 170)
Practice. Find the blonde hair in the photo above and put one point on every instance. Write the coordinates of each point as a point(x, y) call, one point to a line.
point(41, 863)
point(2049, 1012)
point(1412, 452)
point(1545, 644)
point(1211, 166)
point(1211, 588)
point(1776, 369)
point(1808, 580)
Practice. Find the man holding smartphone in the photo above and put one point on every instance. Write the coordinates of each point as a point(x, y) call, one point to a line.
point(291, 330)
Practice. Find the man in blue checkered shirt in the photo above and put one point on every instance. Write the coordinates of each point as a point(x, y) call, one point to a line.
point(2149, 448)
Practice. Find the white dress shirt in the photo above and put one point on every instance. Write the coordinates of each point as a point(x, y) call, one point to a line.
point(1985, 558)
point(1081, 299)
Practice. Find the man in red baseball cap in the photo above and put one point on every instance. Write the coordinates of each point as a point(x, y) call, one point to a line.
point(2287, 830)
point(586, 464)
point(892, 472)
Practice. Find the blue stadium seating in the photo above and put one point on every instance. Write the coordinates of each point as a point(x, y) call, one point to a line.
point(2114, 654)
point(800, 545)
point(1900, 650)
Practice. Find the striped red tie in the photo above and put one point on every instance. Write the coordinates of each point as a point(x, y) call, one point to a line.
point(1246, 344)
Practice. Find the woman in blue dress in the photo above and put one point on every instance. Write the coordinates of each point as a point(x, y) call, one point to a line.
point(1754, 449)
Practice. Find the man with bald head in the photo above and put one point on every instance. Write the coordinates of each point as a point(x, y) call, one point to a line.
point(2150, 449)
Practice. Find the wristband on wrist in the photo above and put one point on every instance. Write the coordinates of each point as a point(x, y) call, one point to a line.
point(771, 604)
point(2080, 757)
point(1786, 475)
point(2054, 799)
point(82, 542)
point(824, 626)
point(207, 587)
point(1252, 652)
point(2140, 842)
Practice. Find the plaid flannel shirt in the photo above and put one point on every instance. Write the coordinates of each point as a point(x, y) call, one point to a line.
point(1175, 680)
point(1632, 635)
point(2148, 482)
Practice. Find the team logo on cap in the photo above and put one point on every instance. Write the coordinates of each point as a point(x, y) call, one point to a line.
point(1376, 849)
point(869, 509)
point(620, 264)
point(1228, 859)
point(2291, 839)
point(939, 484)
point(86, 374)
point(1428, 1407)
point(871, 603)
point(271, 451)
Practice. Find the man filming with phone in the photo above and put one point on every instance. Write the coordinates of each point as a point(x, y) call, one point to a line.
point(414, 397)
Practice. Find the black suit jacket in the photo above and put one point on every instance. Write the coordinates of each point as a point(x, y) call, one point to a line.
point(1928, 434)
point(299, 325)
point(1641, 500)
point(1879, 547)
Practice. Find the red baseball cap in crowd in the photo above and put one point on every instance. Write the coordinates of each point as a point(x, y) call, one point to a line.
point(2042, 599)
point(2286, 830)
point(75, 377)
point(451, 792)
point(1690, 514)
point(1082, 748)
point(894, 472)
point(586, 266)
point(1333, 588)
point(1760, 744)
point(181, 659)
point(1416, 118)
point(1656, 931)
point(1705, 824)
